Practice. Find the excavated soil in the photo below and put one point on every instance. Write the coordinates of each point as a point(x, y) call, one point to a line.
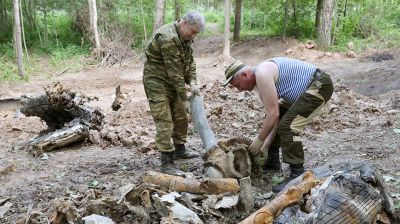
point(361, 122)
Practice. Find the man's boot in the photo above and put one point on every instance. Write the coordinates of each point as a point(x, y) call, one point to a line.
point(273, 163)
point(167, 164)
point(181, 153)
point(295, 171)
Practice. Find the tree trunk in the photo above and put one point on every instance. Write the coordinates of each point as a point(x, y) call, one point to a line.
point(318, 13)
point(23, 35)
point(253, 12)
point(95, 30)
point(238, 13)
point(325, 27)
point(226, 53)
point(177, 9)
point(3, 17)
point(294, 17)
point(286, 19)
point(344, 14)
point(90, 14)
point(160, 13)
point(45, 31)
point(28, 13)
point(144, 23)
point(17, 40)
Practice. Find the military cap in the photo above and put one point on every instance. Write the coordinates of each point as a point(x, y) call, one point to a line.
point(231, 70)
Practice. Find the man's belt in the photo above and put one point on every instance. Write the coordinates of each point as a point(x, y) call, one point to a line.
point(317, 74)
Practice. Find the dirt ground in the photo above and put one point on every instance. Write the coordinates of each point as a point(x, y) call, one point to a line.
point(360, 122)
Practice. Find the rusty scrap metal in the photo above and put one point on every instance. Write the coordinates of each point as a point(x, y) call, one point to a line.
point(180, 184)
point(268, 213)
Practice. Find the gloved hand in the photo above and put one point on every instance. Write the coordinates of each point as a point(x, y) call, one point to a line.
point(255, 146)
point(261, 158)
point(195, 89)
point(186, 104)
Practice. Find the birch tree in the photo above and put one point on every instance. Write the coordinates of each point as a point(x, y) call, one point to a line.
point(160, 13)
point(17, 39)
point(93, 24)
point(226, 52)
point(325, 24)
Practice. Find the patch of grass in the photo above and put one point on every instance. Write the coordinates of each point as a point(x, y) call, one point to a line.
point(9, 71)
point(68, 57)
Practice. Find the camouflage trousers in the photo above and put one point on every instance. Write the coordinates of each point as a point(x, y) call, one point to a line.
point(170, 118)
point(294, 117)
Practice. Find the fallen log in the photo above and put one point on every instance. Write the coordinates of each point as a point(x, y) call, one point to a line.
point(57, 139)
point(268, 213)
point(66, 114)
point(180, 184)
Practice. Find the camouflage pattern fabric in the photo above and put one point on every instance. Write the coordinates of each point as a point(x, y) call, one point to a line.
point(169, 66)
point(294, 119)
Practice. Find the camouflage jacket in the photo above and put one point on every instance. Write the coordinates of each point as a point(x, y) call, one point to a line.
point(169, 63)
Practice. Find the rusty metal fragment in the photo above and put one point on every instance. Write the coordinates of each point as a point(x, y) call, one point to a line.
point(180, 184)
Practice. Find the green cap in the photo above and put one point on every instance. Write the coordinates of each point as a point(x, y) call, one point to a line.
point(231, 70)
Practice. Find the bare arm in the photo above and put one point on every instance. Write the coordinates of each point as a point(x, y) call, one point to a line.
point(270, 138)
point(265, 74)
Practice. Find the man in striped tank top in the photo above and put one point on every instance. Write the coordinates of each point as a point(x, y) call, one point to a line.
point(292, 92)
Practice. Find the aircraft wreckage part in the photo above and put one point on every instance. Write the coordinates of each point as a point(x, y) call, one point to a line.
point(233, 164)
point(200, 122)
point(292, 195)
point(351, 192)
point(180, 184)
point(348, 192)
point(218, 163)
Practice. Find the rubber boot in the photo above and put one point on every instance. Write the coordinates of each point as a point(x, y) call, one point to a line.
point(295, 171)
point(181, 153)
point(273, 163)
point(167, 164)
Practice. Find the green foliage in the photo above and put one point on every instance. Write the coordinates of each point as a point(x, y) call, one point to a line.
point(7, 50)
point(8, 70)
point(368, 25)
point(214, 16)
point(66, 57)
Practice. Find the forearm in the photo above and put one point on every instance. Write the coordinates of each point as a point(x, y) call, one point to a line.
point(270, 138)
point(268, 127)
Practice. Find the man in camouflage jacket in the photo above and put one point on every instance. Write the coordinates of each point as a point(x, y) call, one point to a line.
point(169, 66)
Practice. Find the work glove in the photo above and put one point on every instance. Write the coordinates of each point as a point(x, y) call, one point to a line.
point(261, 158)
point(255, 146)
point(186, 104)
point(195, 89)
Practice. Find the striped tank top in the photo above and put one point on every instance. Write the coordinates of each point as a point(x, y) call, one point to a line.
point(295, 77)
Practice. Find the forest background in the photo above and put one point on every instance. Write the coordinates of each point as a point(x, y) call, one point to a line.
point(49, 37)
